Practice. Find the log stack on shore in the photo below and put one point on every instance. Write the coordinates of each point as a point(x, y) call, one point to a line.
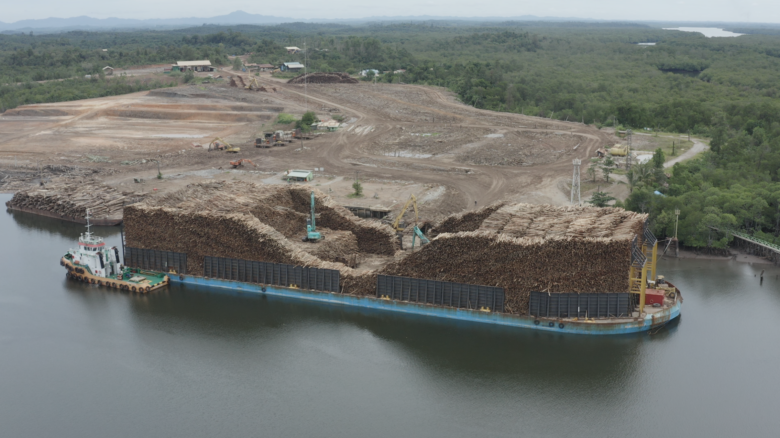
point(70, 201)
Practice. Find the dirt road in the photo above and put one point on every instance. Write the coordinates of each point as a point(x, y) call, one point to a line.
point(698, 147)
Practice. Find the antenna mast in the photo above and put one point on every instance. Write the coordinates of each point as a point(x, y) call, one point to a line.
point(89, 233)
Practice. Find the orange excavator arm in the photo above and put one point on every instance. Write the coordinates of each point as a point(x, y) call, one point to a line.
point(241, 162)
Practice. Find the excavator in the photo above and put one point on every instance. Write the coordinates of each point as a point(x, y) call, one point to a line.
point(238, 163)
point(253, 85)
point(416, 232)
point(312, 235)
point(221, 145)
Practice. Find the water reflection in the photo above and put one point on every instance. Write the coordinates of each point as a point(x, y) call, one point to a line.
point(457, 347)
point(70, 230)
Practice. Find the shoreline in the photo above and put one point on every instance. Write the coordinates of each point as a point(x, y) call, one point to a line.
point(737, 255)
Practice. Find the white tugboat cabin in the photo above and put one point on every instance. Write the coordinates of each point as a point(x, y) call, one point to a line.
point(93, 254)
point(93, 263)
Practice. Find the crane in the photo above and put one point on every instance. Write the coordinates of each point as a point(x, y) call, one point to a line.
point(311, 225)
point(416, 231)
point(413, 201)
point(215, 145)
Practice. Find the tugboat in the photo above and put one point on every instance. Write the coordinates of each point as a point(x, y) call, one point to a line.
point(93, 263)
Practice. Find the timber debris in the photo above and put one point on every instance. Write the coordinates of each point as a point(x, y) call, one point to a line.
point(323, 78)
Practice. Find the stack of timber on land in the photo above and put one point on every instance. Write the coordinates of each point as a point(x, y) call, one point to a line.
point(70, 200)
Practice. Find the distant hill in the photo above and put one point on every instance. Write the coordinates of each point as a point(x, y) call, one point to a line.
point(237, 17)
point(89, 23)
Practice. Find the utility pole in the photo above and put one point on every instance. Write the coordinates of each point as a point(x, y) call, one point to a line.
point(676, 242)
point(575, 181)
point(629, 136)
point(305, 72)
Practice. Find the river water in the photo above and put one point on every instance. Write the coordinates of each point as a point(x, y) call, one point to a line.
point(709, 32)
point(79, 361)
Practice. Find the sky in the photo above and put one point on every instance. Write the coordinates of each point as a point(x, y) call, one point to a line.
point(757, 11)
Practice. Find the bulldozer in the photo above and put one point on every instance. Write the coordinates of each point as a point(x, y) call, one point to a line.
point(239, 163)
point(416, 232)
point(221, 145)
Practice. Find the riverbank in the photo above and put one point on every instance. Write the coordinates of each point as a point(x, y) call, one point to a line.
point(736, 255)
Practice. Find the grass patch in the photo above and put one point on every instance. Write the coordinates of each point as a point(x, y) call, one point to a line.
point(651, 143)
point(285, 119)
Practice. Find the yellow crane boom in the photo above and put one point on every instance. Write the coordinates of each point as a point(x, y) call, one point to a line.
point(413, 201)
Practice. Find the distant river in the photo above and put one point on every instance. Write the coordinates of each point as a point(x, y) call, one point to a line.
point(80, 361)
point(709, 32)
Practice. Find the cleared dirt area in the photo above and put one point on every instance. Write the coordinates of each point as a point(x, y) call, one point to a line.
point(397, 139)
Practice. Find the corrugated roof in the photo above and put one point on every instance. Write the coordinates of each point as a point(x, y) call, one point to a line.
point(193, 63)
point(293, 64)
point(299, 173)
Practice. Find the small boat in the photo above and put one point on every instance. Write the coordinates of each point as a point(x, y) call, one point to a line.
point(93, 263)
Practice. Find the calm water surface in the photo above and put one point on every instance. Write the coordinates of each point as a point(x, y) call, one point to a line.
point(79, 361)
point(709, 32)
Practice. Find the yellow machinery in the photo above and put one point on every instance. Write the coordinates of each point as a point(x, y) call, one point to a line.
point(221, 145)
point(397, 224)
point(639, 275)
point(253, 85)
point(417, 233)
point(619, 150)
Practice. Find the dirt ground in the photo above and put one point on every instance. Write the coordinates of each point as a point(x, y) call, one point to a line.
point(398, 140)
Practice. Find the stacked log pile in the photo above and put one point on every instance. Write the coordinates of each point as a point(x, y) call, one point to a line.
point(335, 246)
point(323, 78)
point(518, 247)
point(373, 237)
point(247, 221)
point(469, 221)
point(282, 207)
point(522, 265)
point(524, 248)
point(70, 200)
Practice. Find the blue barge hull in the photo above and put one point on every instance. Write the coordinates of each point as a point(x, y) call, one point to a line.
point(564, 325)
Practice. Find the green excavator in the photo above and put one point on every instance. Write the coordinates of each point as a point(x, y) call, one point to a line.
point(311, 225)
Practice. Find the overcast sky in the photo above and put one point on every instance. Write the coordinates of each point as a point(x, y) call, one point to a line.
point(760, 11)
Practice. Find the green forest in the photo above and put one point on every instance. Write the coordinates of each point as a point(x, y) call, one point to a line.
point(724, 89)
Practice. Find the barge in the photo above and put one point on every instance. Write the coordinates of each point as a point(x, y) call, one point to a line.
point(652, 318)
point(582, 270)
